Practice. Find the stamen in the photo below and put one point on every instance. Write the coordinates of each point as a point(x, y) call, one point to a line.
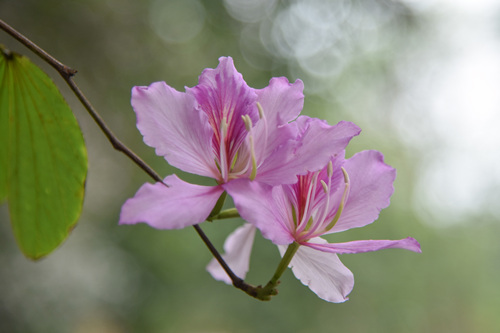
point(330, 169)
point(234, 160)
point(247, 121)
point(325, 209)
point(294, 216)
point(261, 111)
point(342, 201)
point(248, 126)
point(305, 208)
point(309, 223)
point(325, 187)
point(222, 147)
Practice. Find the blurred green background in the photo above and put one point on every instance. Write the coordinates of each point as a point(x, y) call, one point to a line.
point(420, 78)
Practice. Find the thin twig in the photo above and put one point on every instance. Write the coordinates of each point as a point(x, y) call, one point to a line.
point(263, 294)
point(67, 74)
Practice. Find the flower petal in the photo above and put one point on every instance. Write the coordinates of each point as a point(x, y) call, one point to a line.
point(225, 97)
point(370, 190)
point(316, 144)
point(281, 103)
point(172, 125)
point(256, 204)
point(367, 246)
point(177, 206)
point(322, 272)
point(238, 247)
point(281, 100)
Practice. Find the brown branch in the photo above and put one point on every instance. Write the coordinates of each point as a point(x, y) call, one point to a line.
point(67, 74)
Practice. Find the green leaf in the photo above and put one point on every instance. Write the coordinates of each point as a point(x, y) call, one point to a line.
point(43, 160)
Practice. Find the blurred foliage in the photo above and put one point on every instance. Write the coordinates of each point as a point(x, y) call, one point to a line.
point(109, 278)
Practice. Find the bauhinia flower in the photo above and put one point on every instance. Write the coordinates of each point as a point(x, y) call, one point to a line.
point(225, 130)
point(344, 194)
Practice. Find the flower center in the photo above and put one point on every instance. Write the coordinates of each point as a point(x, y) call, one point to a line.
point(314, 214)
point(244, 163)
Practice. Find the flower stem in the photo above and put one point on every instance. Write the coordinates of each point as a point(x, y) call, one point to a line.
point(265, 293)
point(285, 261)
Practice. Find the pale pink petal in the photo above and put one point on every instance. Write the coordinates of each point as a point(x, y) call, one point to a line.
point(281, 100)
point(281, 103)
point(170, 123)
point(256, 205)
point(238, 247)
point(177, 206)
point(371, 189)
point(322, 272)
point(317, 143)
point(367, 246)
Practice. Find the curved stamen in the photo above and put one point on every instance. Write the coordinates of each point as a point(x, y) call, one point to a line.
point(327, 190)
point(319, 228)
point(342, 201)
point(294, 216)
point(222, 149)
point(248, 126)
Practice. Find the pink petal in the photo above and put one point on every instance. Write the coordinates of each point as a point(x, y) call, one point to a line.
point(177, 206)
point(171, 124)
point(318, 142)
point(371, 189)
point(281, 103)
point(322, 272)
point(281, 100)
point(256, 205)
point(225, 97)
point(367, 246)
point(238, 247)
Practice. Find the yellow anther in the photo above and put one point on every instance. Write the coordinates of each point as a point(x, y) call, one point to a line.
point(325, 187)
point(330, 169)
point(247, 121)
point(261, 111)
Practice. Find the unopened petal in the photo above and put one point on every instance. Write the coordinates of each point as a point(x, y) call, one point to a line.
point(367, 246)
point(371, 186)
point(177, 206)
point(237, 247)
point(170, 123)
point(322, 272)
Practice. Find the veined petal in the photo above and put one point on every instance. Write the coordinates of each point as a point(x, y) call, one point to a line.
point(256, 205)
point(317, 143)
point(281, 100)
point(172, 125)
point(318, 138)
point(367, 246)
point(225, 97)
point(177, 206)
point(371, 188)
point(238, 247)
point(322, 272)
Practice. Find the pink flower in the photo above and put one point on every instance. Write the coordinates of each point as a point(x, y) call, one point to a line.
point(344, 194)
point(225, 130)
